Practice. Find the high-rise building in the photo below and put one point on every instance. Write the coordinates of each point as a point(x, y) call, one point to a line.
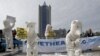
point(44, 18)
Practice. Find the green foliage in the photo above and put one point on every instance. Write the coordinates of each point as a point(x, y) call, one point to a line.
point(21, 33)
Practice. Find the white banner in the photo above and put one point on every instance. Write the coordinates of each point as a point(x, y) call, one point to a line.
point(58, 45)
point(51, 45)
point(11, 19)
point(90, 42)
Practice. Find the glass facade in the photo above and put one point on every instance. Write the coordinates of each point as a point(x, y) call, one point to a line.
point(44, 18)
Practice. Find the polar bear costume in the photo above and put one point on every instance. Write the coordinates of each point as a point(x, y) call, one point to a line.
point(7, 31)
point(73, 39)
point(32, 40)
point(49, 33)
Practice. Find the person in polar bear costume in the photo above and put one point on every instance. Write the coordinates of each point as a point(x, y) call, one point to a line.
point(7, 31)
point(49, 33)
point(73, 39)
point(32, 40)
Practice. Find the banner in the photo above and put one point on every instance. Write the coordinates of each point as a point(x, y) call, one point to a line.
point(58, 45)
point(51, 45)
point(90, 42)
point(11, 19)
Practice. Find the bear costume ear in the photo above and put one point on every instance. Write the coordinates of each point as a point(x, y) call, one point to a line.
point(34, 23)
point(27, 23)
point(74, 22)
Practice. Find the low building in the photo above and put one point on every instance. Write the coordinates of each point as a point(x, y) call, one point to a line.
point(60, 33)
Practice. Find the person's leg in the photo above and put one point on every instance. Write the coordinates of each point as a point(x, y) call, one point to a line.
point(35, 50)
point(29, 50)
point(14, 45)
point(78, 52)
point(71, 52)
point(18, 46)
point(11, 44)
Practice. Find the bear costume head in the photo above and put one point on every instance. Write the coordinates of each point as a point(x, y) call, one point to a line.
point(30, 25)
point(32, 36)
point(8, 24)
point(76, 27)
point(48, 28)
point(49, 33)
point(31, 29)
point(75, 30)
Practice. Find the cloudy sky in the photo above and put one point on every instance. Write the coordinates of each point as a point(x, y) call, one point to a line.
point(63, 12)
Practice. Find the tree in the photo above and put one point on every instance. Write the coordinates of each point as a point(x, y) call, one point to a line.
point(21, 33)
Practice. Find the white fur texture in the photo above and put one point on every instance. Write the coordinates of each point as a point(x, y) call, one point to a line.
point(32, 40)
point(48, 28)
point(73, 39)
point(7, 31)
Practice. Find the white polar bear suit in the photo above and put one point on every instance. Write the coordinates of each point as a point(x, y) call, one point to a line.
point(73, 39)
point(32, 40)
point(7, 31)
point(49, 32)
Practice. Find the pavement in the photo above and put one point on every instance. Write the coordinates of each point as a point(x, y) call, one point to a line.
point(92, 53)
point(10, 53)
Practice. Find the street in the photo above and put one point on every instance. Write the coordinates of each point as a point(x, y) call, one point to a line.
point(93, 53)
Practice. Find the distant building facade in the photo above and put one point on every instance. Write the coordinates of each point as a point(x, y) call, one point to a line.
point(44, 18)
point(60, 33)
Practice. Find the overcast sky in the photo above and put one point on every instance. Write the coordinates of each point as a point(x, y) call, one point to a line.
point(63, 12)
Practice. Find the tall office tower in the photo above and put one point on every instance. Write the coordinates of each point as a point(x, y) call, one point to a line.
point(44, 18)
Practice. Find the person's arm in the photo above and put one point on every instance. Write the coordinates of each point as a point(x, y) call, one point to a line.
point(13, 25)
